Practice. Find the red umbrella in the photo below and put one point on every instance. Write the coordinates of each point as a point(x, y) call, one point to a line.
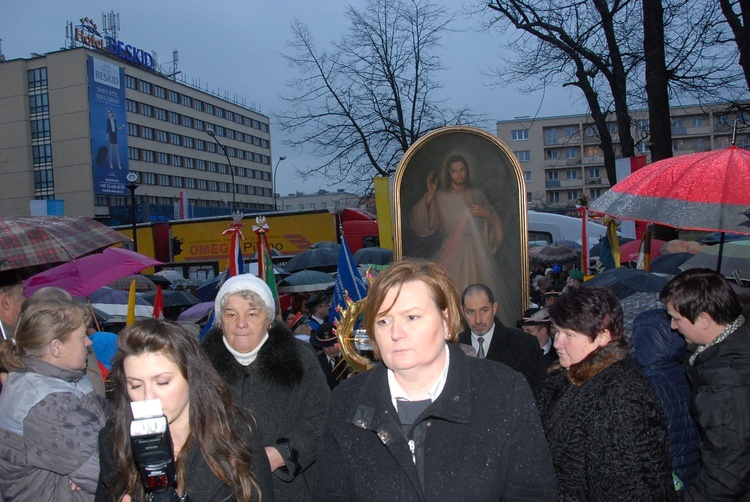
point(83, 276)
point(629, 251)
point(702, 191)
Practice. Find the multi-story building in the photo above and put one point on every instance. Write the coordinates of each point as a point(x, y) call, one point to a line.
point(75, 122)
point(322, 199)
point(562, 160)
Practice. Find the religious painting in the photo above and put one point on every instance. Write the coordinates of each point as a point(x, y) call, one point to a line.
point(460, 200)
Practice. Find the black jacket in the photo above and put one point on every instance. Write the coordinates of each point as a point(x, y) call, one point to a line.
point(514, 348)
point(287, 393)
point(201, 484)
point(481, 440)
point(606, 431)
point(720, 378)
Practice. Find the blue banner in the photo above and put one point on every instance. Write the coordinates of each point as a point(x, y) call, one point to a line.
point(108, 121)
point(348, 282)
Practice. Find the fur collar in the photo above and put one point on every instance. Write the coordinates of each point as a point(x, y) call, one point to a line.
point(596, 362)
point(278, 361)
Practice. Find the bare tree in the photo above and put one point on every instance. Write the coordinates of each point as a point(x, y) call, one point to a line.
point(739, 23)
point(362, 104)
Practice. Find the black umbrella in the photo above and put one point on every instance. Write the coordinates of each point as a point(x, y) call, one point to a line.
point(322, 259)
point(206, 292)
point(326, 245)
point(627, 281)
point(373, 256)
point(670, 263)
point(173, 298)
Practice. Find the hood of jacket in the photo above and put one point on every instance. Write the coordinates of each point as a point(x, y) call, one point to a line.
point(278, 360)
point(36, 365)
point(654, 342)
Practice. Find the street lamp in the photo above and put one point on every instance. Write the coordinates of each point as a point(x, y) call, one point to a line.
point(211, 133)
point(276, 170)
point(132, 185)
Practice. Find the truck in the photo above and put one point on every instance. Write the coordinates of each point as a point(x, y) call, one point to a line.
point(199, 248)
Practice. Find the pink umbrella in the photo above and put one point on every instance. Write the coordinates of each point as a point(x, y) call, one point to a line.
point(83, 276)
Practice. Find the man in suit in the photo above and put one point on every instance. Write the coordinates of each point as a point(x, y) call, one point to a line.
point(330, 358)
point(319, 307)
point(496, 342)
point(536, 322)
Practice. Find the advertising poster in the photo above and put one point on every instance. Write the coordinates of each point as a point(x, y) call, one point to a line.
point(109, 136)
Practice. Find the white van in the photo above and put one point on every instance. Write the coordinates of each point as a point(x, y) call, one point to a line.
point(546, 228)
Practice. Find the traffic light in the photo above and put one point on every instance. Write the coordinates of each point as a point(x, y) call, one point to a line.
point(176, 246)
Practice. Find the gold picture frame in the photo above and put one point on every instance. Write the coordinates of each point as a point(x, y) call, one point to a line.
point(475, 226)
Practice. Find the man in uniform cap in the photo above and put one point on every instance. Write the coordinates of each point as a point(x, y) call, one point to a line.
point(330, 359)
point(537, 322)
point(318, 306)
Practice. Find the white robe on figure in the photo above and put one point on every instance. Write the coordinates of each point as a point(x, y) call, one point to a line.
point(469, 243)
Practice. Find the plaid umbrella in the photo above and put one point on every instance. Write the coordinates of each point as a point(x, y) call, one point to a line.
point(28, 241)
point(142, 283)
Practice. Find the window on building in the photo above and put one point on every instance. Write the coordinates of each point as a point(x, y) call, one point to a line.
point(594, 173)
point(699, 144)
point(148, 178)
point(612, 128)
point(552, 153)
point(550, 137)
point(552, 175)
point(200, 145)
point(591, 131)
point(131, 106)
point(553, 196)
point(144, 87)
point(37, 77)
point(266, 176)
point(570, 131)
point(165, 180)
point(201, 165)
point(213, 186)
point(187, 121)
point(160, 92)
point(160, 113)
point(198, 104)
point(209, 109)
point(571, 153)
point(211, 166)
point(187, 101)
point(264, 127)
point(187, 142)
point(222, 168)
point(175, 139)
point(162, 136)
point(220, 112)
point(519, 134)
point(44, 179)
point(595, 193)
point(301, 207)
point(133, 130)
point(211, 147)
point(174, 97)
point(175, 160)
point(189, 162)
point(147, 110)
point(642, 147)
point(592, 151)
point(523, 155)
point(678, 144)
point(177, 181)
point(134, 153)
point(41, 154)
point(39, 103)
point(174, 118)
point(677, 122)
point(190, 183)
point(527, 176)
point(147, 132)
point(199, 125)
point(223, 186)
point(131, 82)
point(258, 175)
point(162, 158)
point(642, 125)
point(251, 190)
point(40, 128)
point(529, 198)
point(147, 156)
point(202, 185)
point(571, 174)
point(572, 194)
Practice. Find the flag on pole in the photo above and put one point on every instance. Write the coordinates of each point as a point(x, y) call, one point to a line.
point(349, 282)
point(130, 319)
point(158, 304)
point(644, 252)
point(610, 255)
point(236, 265)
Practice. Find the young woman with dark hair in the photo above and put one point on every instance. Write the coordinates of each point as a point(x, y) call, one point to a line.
point(217, 448)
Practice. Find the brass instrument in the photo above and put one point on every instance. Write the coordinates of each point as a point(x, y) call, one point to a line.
point(345, 334)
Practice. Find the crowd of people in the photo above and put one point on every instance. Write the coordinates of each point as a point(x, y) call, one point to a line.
point(458, 406)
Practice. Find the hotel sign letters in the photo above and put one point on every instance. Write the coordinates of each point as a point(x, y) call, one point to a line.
point(88, 34)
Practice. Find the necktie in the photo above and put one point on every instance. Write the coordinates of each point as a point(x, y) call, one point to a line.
point(480, 352)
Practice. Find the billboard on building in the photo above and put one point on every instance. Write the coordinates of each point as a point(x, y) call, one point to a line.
point(107, 116)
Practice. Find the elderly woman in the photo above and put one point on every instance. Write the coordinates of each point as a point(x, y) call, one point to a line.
point(605, 427)
point(274, 375)
point(429, 422)
point(217, 449)
point(50, 416)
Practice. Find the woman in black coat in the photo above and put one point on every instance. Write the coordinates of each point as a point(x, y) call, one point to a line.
point(605, 427)
point(429, 422)
point(218, 454)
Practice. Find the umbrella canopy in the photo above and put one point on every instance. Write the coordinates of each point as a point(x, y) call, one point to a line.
point(701, 191)
point(553, 254)
point(173, 298)
point(27, 241)
point(596, 249)
point(322, 259)
point(326, 245)
point(196, 312)
point(682, 246)
point(373, 256)
point(114, 302)
point(715, 237)
point(207, 291)
point(570, 244)
point(670, 263)
point(305, 281)
point(627, 281)
point(159, 280)
point(173, 276)
point(82, 276)
point(629, 251)
point(142, 283)
point(736, 259)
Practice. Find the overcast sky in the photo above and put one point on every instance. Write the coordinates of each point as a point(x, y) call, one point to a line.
point(234, 46)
